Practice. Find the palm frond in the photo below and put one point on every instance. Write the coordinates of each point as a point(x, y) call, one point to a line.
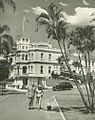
point(4, 28)
point(42, 22)
point(42, 15)
point(52, 10)
point(50, 31)
point(61, 24)
point(58, 15)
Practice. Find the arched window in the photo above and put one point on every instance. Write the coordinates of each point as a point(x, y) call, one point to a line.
point(26, 57)
point(17, 69)
point(26, 47)
point(49, 69)
point(42, 55)
point(23, 40)
point(24, 69)
point(32, 55)
point(26, 40)
point(22, 56)
point(28, 69)
point(49, 56)
point(31, 69)
point(22, 47)
point(29, 55)
point(42, 70)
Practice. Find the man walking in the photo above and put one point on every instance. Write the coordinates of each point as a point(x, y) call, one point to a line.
point(31, 94)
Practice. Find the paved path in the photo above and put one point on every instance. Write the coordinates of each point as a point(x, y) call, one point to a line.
point(15, 108)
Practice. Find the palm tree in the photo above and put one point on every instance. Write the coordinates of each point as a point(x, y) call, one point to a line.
point(10, 2)
point(4, 72)
point(56, 25)
point(6, 41)
point(83, 40)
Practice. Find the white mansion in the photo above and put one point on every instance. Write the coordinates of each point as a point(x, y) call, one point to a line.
point(36, 61)
point(33, 61)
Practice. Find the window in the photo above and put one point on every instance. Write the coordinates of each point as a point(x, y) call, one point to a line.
point(61, 63)
point(28, 69)
point(22, 47)
point(29, 55)
point(22, 56)
point(92, 63)
point(32, 55)
point(25, 81)
point(49, 56)
point(17, 69)
point(41, 69)
point(42, 55)
point(92, 70)
point(49, 69)
point(26, 58)
point(31, 69)
point(24, 69)
point(26, 47)
point(11, 60)
point(19, 47)
point(26, 40)
point(23, 39)
point(15, 59)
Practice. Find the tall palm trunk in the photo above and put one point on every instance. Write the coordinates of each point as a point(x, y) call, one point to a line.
point(87, 89)
point(84, 78)
point(90, 81)
point(92, 104)
point(89, 73)
point(78, 86)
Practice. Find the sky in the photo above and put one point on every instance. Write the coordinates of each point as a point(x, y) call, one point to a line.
point(77, 12)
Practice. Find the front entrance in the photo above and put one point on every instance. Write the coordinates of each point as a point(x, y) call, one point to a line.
point(25, 82)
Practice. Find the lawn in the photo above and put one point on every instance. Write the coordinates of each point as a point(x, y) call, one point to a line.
point(72, 106)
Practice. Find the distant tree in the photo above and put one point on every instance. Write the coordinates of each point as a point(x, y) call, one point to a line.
point(4, 72)
point(54, 75)
point(6, 43)
point(6, 40)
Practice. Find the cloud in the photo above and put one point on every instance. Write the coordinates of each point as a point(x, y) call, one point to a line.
point(81, 17)
point(38, 10)
point(63, 4)
point(26, 11)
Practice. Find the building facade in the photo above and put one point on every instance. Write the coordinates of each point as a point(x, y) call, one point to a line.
point(33, 61)
point(36, 61)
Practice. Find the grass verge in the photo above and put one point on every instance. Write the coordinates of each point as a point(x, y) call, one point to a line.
point(72, 106)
